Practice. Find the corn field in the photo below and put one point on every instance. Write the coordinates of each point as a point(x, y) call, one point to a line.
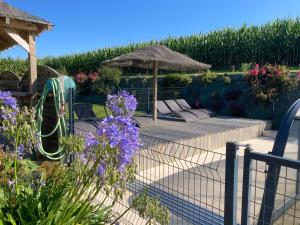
point(274, 42)
point(15, 65)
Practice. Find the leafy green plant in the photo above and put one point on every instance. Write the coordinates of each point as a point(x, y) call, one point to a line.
point(207, 77)
point(226, 79)
point(109, 80)
point(176, 80)
point(246, 67)
point(82, 192)
point(150, 208)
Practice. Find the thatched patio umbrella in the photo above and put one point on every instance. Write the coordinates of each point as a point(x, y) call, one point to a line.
point(156, 57)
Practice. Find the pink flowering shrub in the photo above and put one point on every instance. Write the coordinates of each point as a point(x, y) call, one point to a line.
point(268, 81)
point(102, 81)
point(80, 77)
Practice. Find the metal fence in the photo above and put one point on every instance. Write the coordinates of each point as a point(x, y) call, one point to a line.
point(270, 189)
point(199, 186)
point(189, 181)
point(143, 96)
point(270, 184)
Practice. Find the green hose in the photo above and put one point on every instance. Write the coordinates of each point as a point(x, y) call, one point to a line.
point(53, 85)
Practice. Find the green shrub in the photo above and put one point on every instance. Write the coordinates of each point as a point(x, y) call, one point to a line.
point(176, 80)
point(109, 80)
point(207, 77)
point(226, 79)
point(245, 67)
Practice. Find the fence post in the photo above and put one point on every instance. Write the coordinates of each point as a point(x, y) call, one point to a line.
point(70, 157)
point(148, 100)
point(71, 111)
point(231, 176)
point(246, 187)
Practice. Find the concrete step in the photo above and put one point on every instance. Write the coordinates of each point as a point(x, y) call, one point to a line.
point(270, 133)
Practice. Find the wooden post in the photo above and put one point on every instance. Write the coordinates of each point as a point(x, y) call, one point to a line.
point(155, 68)
point(33, 66)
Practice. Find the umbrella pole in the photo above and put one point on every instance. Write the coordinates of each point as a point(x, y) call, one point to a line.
point(155, 92)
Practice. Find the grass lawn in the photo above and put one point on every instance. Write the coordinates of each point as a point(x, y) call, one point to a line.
point(100, 112)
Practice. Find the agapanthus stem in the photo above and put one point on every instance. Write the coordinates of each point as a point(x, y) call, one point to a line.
point(15, 166)
point(107, 195)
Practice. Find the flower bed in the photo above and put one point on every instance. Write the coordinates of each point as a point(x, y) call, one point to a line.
point(58, 193)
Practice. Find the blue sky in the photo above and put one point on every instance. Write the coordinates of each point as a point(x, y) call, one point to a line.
point(91, 24)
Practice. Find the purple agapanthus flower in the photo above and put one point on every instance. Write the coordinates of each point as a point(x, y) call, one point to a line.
point(121, 133)
point(101, 169)
point(116, 131)
point(8, 109)
point(7, 100)
point(123, 104)
point(21, 151)
point(90, 140)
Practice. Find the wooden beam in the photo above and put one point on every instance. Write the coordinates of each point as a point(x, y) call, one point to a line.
point(17, 38)
point(18, 25)
point(7, 20)
point(155, 68)
point(33, 64)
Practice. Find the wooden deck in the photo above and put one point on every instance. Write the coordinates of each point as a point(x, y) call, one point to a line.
point(209, 133)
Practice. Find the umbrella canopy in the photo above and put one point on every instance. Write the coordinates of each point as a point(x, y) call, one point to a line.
point(166, 58)
point(156, 57)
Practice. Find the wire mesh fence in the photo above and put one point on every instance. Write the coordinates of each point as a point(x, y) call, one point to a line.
point(144, 96)
point(189, 181)
point(272, 190)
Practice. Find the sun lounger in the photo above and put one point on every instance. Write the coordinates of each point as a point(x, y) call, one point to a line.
point(84, 112)
point(164, 110)
point(142, 121)
point(176, 108)
point(186, 107)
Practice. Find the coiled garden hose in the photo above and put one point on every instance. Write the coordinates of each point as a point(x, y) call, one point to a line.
point(55, 86)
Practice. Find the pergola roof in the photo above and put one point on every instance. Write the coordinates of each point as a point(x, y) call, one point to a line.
point(166, 59)
point(20, 22)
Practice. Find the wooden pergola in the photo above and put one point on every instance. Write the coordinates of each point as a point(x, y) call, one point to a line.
point(20, 28)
